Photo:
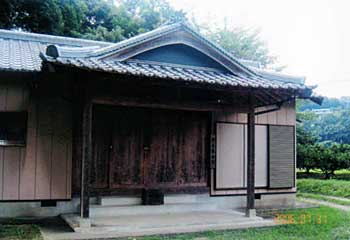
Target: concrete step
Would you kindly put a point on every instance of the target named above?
(110, 211)
(120, 201)
(180, 198)
(122, 226)
(135, 200)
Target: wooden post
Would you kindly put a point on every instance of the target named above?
(86, 159)
(250, 211)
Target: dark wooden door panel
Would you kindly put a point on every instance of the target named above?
(177, 156)
(160, 164)
(194, 144)
(101, 136)
(126, 162)
(147, 148)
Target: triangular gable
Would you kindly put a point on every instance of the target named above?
(178, 54)
(178, 42)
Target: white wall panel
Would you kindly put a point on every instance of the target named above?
(231, 160)
(230, 156)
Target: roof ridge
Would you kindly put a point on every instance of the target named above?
(137, 38)
(51, 39)
(160, 31)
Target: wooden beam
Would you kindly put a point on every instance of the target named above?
(251, 158)
(166, 104)
(86, 158)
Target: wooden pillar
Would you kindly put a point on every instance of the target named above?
(86, 158)
(250, 211)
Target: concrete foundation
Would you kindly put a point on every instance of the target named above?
(166, 223)
(34, 209)
(250, 213)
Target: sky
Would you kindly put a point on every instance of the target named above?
(310, 37)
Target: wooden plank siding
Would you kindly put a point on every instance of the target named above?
(149, 148)
(42, 169)
(285, 116)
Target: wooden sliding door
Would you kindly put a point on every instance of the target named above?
(137, 148)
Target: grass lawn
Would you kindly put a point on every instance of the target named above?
(317, 223)
(338, 188)
(20, 232)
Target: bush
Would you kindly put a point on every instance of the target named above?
(332, 187)
(327, 156)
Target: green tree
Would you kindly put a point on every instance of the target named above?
(306, 157)
(92, 19)
(306, 140)
(115, 20)
(242, 43)
(32, 15)
(332, 157)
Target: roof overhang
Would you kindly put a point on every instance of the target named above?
(117, 59)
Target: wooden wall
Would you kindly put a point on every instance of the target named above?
(285, 116)
(284, 119)
(42, 169)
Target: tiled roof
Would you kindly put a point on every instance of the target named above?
(26, 52)
(21, 51)
(175, 72)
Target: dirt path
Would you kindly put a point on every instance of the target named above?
(329, 204)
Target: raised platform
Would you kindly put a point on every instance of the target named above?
(123, 216)
(164, 223)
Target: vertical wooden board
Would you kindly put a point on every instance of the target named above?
(69, 122)
(195, 137)
(59, 168)
(15, 101)
(185, 133)
(262, 118)
(76, 147)
(27, 175)
(156, 162)
(220, 116)
(242, 118)
(127, 152)
(178, 149)
(281, 116)
(290, 113)
(101, 137)
(231, 117)
(44, 150)
(180, 153)
(26, 98)
(43, 167)
(60, 125)
(1, 171)
(3, 96)
(272, 117)
(69, 169)
(12, 159)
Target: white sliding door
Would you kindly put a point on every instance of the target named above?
(231, 160)
(229, 156)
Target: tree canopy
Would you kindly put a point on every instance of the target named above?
(242, 43)
(324, 138)
(115, 20)
(92, 19)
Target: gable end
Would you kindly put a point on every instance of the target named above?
(179, 54)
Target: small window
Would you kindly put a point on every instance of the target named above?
(13, 128)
